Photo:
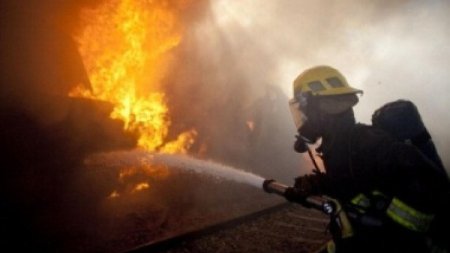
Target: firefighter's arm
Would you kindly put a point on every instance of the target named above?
(340, 225)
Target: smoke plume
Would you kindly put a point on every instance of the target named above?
(390, 49)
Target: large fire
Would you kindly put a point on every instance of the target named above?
(125, 46)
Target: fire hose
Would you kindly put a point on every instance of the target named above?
(340, 224)
(324, 204)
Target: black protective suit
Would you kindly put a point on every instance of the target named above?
(361, 159)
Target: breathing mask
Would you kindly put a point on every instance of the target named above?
(298, 107)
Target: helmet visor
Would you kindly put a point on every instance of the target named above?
(297, 115)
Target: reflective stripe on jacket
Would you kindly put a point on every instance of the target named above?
(398, 211)
(408, 217)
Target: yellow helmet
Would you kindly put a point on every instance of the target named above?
(326, 82)
(322, 81)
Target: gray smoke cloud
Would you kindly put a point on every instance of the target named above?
(223, 92)
(390, 49)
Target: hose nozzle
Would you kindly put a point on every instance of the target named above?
(272, 186)
(296, 195)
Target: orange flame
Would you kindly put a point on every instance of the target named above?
(126, 47)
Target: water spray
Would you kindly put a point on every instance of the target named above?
(140, 157)
(209, 167)
(325, 204)
(332, 207)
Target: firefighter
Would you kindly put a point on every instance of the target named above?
(365, 169)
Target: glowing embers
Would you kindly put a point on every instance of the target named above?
(137, 178)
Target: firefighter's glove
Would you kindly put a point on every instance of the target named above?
(313, 184)
(296, 195)
(305, 183)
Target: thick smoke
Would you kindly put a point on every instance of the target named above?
(222, 85)
(390, 49)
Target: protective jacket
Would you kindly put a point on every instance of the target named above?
(371, 173)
